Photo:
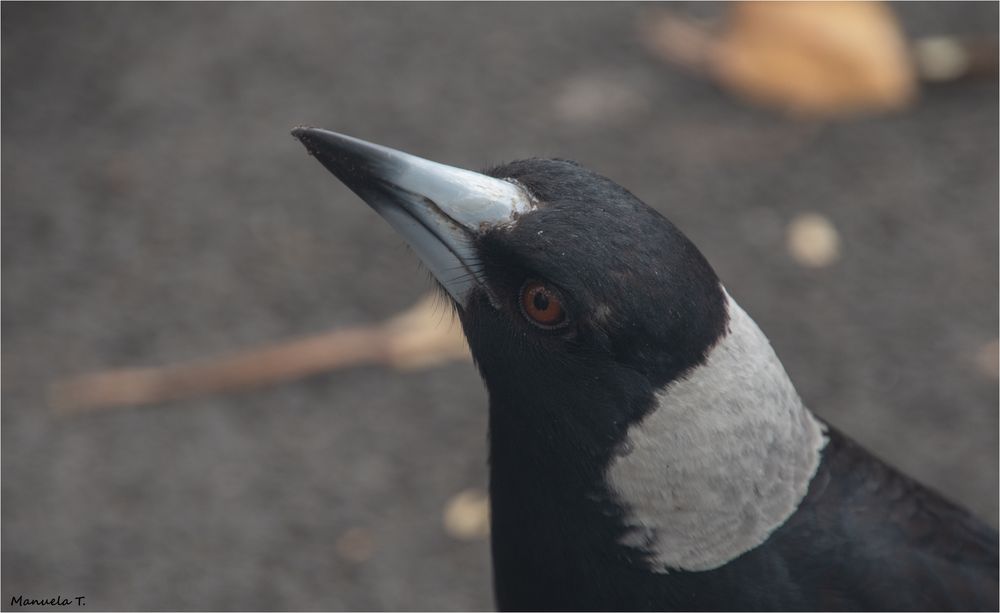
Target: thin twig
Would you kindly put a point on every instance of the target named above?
(416, 338)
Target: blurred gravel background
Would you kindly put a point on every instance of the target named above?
(155, 209)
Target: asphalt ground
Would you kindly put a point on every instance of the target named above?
(155, 209)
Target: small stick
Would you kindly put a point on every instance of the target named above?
(417, 338)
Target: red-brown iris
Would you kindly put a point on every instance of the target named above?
(541, 305)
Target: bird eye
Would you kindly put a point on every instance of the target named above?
(541, 306)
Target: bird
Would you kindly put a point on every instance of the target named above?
(647, 449)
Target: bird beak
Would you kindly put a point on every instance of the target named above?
(438, 209)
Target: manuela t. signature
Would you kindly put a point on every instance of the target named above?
(55, 601)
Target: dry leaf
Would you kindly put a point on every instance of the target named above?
(816, 59)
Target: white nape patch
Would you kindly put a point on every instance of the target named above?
(722, 461)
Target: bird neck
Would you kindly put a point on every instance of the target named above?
(718, 459)
(722, 460)
(551, 513)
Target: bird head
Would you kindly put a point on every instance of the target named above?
(568, 287)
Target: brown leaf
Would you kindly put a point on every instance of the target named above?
(815, 59)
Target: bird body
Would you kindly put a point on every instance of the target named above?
(647, 449)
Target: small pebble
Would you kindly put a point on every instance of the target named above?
(940, 58)
(813, 242)
(988, 359)
(467, 515)
(594, 99)
(355, 545)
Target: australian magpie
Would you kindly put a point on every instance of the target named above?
(647, 449)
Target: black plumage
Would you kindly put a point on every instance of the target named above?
(865, 538)
(643, 312)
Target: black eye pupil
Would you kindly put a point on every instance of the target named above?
(541, 301)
